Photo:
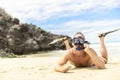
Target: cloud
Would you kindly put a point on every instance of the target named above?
(91, 29)
(44, 9)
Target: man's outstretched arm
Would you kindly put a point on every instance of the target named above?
(61, 65)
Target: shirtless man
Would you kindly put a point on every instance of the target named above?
(81, 55)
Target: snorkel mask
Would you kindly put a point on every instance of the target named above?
(79, 42)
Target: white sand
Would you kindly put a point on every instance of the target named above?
(41, 68)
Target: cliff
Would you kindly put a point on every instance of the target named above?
(23, 38)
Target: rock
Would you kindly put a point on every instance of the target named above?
(15, 21)
(23, 38)
(6, 53)
(31, 45)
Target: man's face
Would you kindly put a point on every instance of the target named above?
(78, 42)
(78, 39)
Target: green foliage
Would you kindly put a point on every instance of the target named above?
(4, 54)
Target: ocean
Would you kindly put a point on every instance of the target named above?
(113, 49)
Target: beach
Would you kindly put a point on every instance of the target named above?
(42, 68)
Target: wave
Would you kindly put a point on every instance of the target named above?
(112, 44)
(113, 48)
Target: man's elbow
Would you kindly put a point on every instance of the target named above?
(101, 66)
(58, 69)
(55, 69)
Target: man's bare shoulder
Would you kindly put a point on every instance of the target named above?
(68, 52)
(65, 57)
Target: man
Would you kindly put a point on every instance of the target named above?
(81, 55)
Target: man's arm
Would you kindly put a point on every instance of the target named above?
(66, 42)
(60, 66)
(94, 57)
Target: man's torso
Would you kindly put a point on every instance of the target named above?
(79, 60)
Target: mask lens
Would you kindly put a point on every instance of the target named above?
(78, 40)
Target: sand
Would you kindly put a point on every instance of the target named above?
(42, 68)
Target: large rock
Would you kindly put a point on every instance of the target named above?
(23, 38)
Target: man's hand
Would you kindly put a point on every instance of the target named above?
(66, 68)
(86, 47)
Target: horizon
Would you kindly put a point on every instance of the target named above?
(67, 17)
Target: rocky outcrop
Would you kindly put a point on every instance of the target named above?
(23, 38)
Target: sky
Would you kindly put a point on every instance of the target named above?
(67, 17)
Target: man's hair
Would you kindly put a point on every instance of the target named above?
(80, 34)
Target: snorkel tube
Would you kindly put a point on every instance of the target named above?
(78, 48)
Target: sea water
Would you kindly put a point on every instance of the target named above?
(113, 49)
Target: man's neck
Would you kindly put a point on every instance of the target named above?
(79, 53)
